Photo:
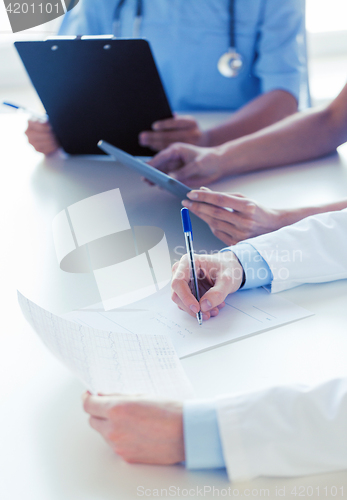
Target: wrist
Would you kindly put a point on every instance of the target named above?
(232, 159)
(204, 140)
(293, 215)
(234, 270)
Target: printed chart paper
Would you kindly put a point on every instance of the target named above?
(111, 361)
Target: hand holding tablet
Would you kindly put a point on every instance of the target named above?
(156, 176)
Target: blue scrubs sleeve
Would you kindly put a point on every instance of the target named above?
(281, 63)
(88, 18)
(201, 436)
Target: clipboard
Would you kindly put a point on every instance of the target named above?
(152, 174)
(96, 88)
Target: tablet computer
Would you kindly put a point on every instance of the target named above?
(152, 174)
(94, 87)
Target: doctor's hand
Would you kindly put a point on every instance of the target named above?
(218, 275)
(139, 429)
(190, 164)
(41, 136)
(233, 217)
(176, 129)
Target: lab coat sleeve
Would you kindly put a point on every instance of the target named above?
(281, 63)
(310, 251)
(257, 272)
(202, 443)
(285, 431)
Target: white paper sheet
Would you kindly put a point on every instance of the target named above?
(246, 313)
(117, 361)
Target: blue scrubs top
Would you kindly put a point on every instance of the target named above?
(188, 37)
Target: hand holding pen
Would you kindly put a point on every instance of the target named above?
(188, 235)
(39, 132)
(217, 276)
(39, 116)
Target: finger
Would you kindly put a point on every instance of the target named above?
(157, 144)
(176, 299)
(230, 231)
(167, 160)
(42, 142)
(100, 425)
(44, 147)
(96, 405)
(42, 138)
(180, 122)
(220, 199)
(228, 239)
(180, 287)
(168, 166)
(186, 173)
(214, 312)
(39, 126)
(162, 139)
(220, 228)
(174, 267)
(228, 281)
(214, 212)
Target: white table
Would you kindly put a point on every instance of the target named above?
(47, 450)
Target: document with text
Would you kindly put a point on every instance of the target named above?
(246, 313)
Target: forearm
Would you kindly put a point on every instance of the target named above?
(261, 112)
(290, 216)
(301, 137)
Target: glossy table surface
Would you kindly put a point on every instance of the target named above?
(47, 450)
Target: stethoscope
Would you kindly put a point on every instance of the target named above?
(229, 64)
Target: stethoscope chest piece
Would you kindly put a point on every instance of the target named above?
(230, 63)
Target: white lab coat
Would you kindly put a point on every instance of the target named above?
(313, 250)
(288, 431)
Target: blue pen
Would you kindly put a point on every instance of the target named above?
(188, 234)
(40, 116)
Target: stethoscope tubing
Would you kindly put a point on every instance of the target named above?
(226, 57)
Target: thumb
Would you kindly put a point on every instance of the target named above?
(186, 172)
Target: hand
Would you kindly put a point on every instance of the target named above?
(218, 275)
(139, 429)
(41, 136)
(176, 129)
(246, 220)
(189, 164)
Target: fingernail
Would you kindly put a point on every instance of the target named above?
(143, 140)
(206, 305)
(187, 204)
(203, 188)
(214, 312)
(193, 195)
(205, 317)
(155, 126)
(194, 309)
